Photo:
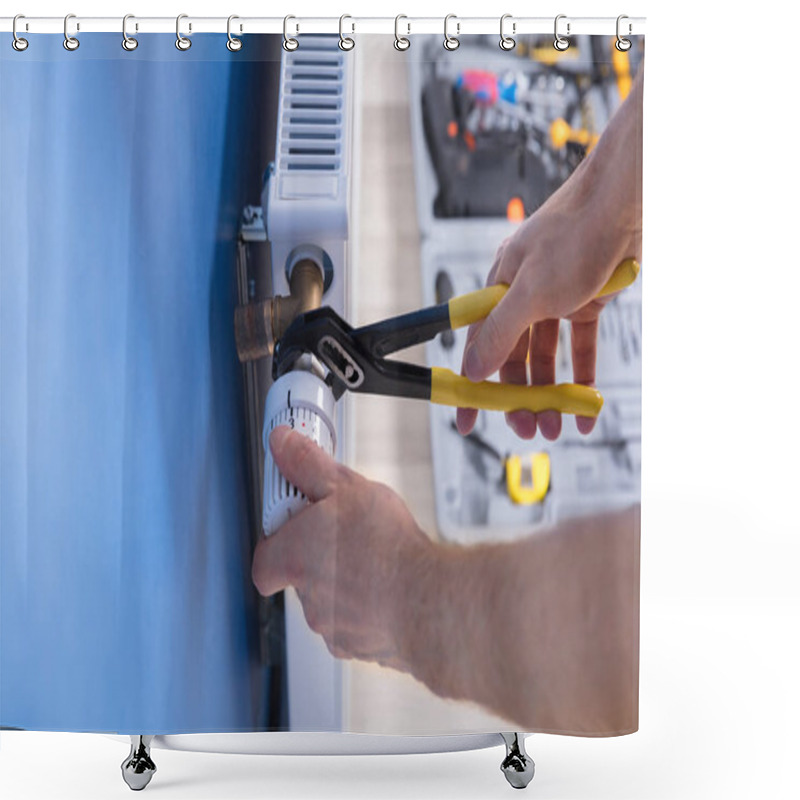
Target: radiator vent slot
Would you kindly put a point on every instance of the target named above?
(312, 113)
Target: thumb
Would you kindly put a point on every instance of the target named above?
(303, 463)
(498, 334)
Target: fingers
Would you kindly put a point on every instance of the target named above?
(279, 559)
(515, 370)
(466, 417)
(544, 343)
(584, 362)
(273, 567)
(501, 329)
(303, 463)
(498, 259)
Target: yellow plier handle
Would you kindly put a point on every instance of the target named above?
(450, 389)
(475, 306)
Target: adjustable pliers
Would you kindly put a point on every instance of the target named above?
(356, 357)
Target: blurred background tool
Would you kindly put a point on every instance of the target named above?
(526, 478)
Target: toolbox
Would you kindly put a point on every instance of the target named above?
(531, 99)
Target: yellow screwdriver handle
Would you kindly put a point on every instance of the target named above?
(449, 389)
(468, 308)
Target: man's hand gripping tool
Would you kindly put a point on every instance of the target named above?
(356, 357)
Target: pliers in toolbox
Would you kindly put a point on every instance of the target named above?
(356, 357)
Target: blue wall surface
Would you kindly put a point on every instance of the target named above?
(125, 595)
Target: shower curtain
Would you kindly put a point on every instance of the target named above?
(453, 571)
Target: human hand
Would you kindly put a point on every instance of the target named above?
(349, 554)
(555, 263)
(549, 279)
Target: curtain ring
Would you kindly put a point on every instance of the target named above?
(18, 43)
(507, 42)
(233, 44)
(70, 42)
(401, 43)
(289, 44)
(451, 42)
(560, 43)
(129, 43)
(181, 42)
(345, 42)
(623, 45)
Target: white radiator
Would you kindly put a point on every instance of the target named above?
(307, 197)
(307, 208)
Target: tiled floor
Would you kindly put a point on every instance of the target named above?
(392, 436)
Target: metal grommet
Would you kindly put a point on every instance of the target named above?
(622, 44)
(289, 44)
(345, 42)
(560, 43)
(451, 42)
(401, 43)
(70, 42)
(506, 42)
(129, 43)
(233, 44)
(18, 43)
(181, 42)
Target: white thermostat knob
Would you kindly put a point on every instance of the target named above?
(305, 403)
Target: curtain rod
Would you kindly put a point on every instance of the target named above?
(407, 26)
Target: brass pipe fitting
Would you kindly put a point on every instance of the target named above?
(259, 325)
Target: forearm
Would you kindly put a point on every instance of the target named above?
(563, 254)
(543, 632)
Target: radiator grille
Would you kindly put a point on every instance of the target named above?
(312, 112)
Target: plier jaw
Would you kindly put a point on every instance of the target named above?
(350, 355)
(304, 336)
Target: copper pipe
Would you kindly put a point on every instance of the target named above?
(253, 330)
(259, 325)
